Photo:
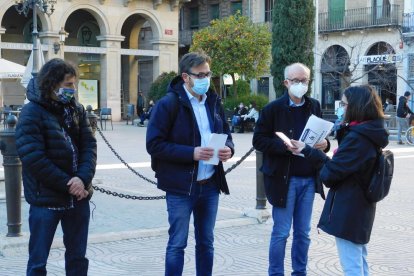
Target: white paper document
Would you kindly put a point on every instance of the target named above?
(284, 138)
(217, 141)
(316, 130)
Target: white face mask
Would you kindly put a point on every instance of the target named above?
(298, 90)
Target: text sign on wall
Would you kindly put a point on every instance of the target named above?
(88, 93)
(380, 59)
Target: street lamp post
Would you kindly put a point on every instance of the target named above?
(44, 6)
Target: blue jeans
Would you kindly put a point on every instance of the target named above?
(43, 223)
(203, 203)
(402, 126)
(353, 257)
(299, 209)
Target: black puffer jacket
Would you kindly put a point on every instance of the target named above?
(45, 153)
(347, 214)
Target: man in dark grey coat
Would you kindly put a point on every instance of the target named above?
(290, 181)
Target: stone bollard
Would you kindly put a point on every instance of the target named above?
(12, 177)
(260, 190)
(93, 119)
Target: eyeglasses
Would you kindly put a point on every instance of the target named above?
(201, 75)
(297, 81)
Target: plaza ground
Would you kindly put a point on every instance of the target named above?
(128, 237)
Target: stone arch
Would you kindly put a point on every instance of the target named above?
(381, 47)
(94, 11)
(45, 20)
(334, 58)
(382, 75)
(335, 73)
(152, 20)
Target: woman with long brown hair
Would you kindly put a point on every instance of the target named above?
(347, 214)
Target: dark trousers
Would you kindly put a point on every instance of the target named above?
(75, 224)
(140, 110)
(244, 122)
(144, 116)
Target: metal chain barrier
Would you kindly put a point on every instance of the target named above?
(108, 192)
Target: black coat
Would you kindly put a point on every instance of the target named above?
(347, 214)
(403, 110)
(172, 135)
(276, 116)
(47, 156)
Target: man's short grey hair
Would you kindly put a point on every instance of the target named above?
(191, 60)
(287, 68)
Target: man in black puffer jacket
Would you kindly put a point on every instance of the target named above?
(58, 153)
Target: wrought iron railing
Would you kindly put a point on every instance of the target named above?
(408, 22)
(370, 17)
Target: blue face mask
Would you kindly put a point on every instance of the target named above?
(65, 95)
(201, 86)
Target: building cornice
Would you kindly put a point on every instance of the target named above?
(110, 38)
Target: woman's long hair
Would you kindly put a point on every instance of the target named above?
(364, 104)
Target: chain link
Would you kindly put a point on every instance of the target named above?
(108, 192)
(123, 161)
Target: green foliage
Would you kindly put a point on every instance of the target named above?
(293, 37)
(159, 87)
(235, 45)
(243, 88)
(231, 102)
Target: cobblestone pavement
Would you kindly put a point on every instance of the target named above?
(129, 237)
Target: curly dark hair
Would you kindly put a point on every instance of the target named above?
(52, 74)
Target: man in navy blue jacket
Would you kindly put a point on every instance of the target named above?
(290, 181)
(177, 137)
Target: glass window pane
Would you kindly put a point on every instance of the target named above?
(236, 6)
(411, 66)
(268, 10)
(194, 17)
(214, 11)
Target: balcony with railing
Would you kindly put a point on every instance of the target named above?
(408, 23)
(362, 18)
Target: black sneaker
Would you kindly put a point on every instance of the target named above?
(141, 124)
(401, 143)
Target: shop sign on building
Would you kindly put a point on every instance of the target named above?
(379, 59)
(88, 92)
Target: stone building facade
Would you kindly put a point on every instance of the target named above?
(359, 43)
(355, 43)
(119, 46)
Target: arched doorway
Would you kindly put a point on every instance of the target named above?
(335, 75)
(382, 74)
(16, 47)
(83, 30)
(136, 69)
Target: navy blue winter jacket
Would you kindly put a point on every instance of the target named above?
(276, 167)
(47, 156)
(173, 134)
(347, 214)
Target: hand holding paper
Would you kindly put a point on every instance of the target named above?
(315, 131)
(284, 138)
